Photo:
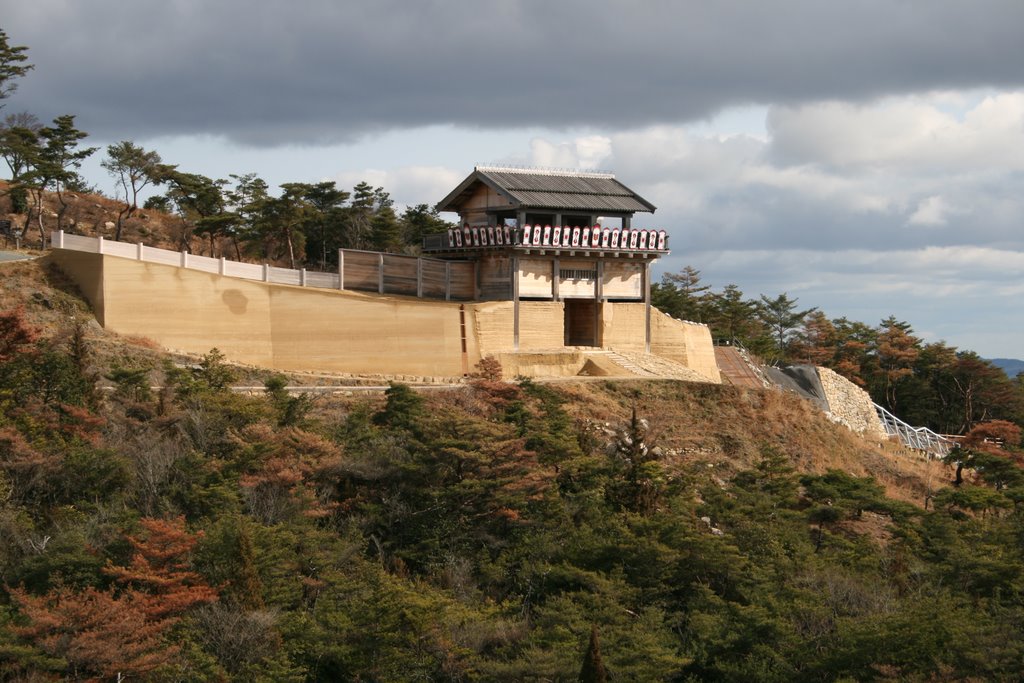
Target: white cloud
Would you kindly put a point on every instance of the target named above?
(918, 132)
(582, 152)
(930, 211)
(408, 185)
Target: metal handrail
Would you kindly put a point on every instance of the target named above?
(918, 438)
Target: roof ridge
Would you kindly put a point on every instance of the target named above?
(573, 172)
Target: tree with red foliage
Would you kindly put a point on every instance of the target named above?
(159, 570)
(897, 350)
(984, 449)
(94, 634)
(15, 333)
(119, 632)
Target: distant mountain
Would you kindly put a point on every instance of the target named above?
(1011, 366)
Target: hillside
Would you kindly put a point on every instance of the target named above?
(731, 433)
(94, 215)
(484, 532)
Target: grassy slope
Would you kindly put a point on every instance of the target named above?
(721, 427)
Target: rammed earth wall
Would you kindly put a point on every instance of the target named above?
(287, 327)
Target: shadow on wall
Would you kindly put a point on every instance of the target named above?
(236, 302)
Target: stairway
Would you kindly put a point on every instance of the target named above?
(737, 369)
(628, 365)
(919, 439)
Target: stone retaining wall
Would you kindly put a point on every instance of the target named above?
(850, 405)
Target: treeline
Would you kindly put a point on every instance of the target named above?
(476, 534)
(928, 384)
(303, 223)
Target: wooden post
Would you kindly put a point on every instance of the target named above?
(341, 269)
(99, 243)
(515, 303)
(555, 277)
(60, 239)
(419, 278)
(184, 258)
(221, 267)
(598, 301)
(380, 273)
(266, 272)
(647, 306)
(138, 252)
(302, 277)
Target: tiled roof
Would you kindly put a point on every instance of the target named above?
(538, 189)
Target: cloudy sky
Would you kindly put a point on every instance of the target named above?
(866, 157)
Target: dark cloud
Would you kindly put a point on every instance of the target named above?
(309, 72)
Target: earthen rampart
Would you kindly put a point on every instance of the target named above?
(288, 327)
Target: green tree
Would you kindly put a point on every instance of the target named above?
(782, 318)
(280, 221)
(133, 168)
(199, 201)
(245, 200)
(19, 146)
(386, 231)
(734, 318)
(325, 220)
(12, 66)
(682, 295)
(419, 221)
(366, 200)
(61, 157)
(402, 409)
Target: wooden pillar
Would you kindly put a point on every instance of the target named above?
(598, 302)
(554, 279)
(515, 303)
(419, 277)
(341, 269)
(647, 306)
(380, 273)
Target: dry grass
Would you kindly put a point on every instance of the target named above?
(729, 428)
(94, 215)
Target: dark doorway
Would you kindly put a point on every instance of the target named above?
(580, 322)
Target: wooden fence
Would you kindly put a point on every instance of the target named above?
(367, 271)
